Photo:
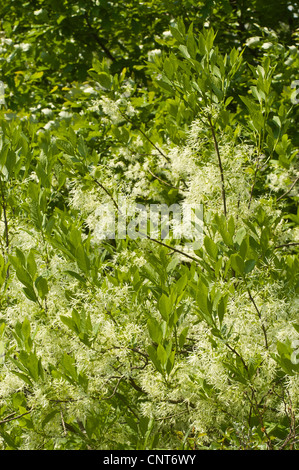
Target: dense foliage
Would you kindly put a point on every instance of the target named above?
(138, 342)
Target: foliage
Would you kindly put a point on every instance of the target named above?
(136, 343)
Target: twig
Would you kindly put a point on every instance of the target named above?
(63, 423)
(106, 190)
(98, 40)
(115, 388)
(8, 418)
(5, 224)
(237, 354)
(162, 181)
(172, 248)
(253, 185)
(144, 135)
(289, 190)
(219, 163)
(292, 420)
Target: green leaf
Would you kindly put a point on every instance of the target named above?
(183, 336)
(68, 363)
(76, 276)
(30, 294)
(222, 308)
(180, 286)
(168, 68)
(191, 44)
(82, 259)
(49, 417)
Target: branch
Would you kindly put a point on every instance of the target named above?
(162, 181)
(5, 223)
(115, 388)
(219, 163)
(285, 245)
(106, 190)
(144, 135)
(172, 248)
(260, 317)
(289, 190)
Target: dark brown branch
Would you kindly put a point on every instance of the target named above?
(8, 418)
(144, 135)
(115, 388)
(259, 315)
(219, 163)
(162, 181)
(106, 191)
(237, 354)
(172, 248)
(286, 245)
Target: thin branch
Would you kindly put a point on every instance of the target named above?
(285, 245)
(253, 184)
(136, 350)
(63, 423)
(289, 190)
(144, 135)
(237, 354)
(219, 163)
(135, 386)
(106, 190)
(259, 315)
(162, 181)
(172, 248)
(8, 418)
(115, 388)
(5, 223)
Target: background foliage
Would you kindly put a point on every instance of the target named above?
(134, 344)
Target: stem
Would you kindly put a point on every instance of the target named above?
(8, 418)
(172, 248)
(98, 40)
(162, 181)
(289, 190)
(5, 224)
(106, 191)
(253, 184)
(115, 388)
(144, 135)
(237, 354)
(286, 245)
(219, 164)
(4, 215)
